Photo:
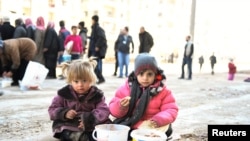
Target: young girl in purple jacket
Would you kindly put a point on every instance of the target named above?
(144, 97)
(78, 106)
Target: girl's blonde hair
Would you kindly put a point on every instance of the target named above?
(79, 70)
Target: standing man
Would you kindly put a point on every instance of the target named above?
(20, 31)
(97, 47)
(213, 62)
(116, 55)
(15, 55)
(146, 41)
(201, 61)
(83, 33)
(63, 33)
(123, 47)
(187, 58)
(6, 31)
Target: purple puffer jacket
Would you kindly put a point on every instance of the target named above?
(91, 108)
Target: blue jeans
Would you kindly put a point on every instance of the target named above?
(75, 56)
(187, 61)
(60, 59)
(99, 65)
(123, 59)
(98, 70)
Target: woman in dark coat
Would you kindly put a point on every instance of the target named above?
(30, 28)
(51, 49)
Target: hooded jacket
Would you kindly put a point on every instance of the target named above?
(91, 108)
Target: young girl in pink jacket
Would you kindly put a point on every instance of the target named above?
(144, 97)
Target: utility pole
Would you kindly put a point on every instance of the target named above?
(192, 19)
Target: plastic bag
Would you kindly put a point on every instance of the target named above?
(34, 76)
(68, 47)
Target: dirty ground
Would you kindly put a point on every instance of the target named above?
(206, 99)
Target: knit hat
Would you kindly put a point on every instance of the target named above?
(145, 61)
(1, 43)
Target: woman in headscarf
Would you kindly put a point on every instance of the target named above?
(39, 39)
(30, 28)
(51, 49)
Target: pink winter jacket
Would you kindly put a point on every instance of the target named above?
(77, 44)
(162, 108)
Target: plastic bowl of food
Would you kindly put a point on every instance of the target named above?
(148, 135)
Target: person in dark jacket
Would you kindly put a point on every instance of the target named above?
(201, 61)
(20, 31)
(6, 32)
(213, 61)
(146, 41)
(51, 49)
(15, 55)
(63, 34)
(83, 33)
(123, 46)
(97, 47)
(79, 106)
(30, 28)
(116, 55)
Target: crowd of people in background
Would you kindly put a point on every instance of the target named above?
(40, 42)
(50, 44)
